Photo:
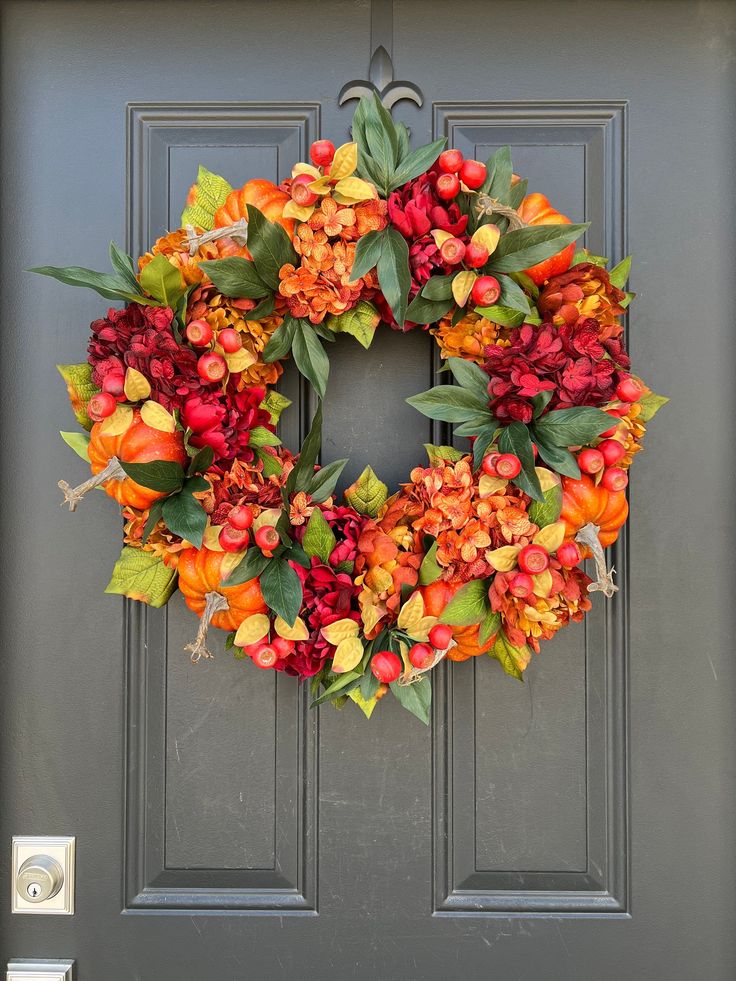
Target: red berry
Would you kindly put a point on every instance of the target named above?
(440, 636)
(300, 192)
(212, 367)
(591, 461)
(450, 161)
(521, 585)
(101, 405)
(267, 538)
(114, 384)
(568, 555)
(199, 333)
(452, 251)
(240, 517)
(421, 656)
(612, 451)
(533, 559)
(233, 539)
(321, 152)
(620, 410)
(476, 255)
(508, 466)
(614, 479)
(486, 290)
(266, 656)
(489, 464)
(473, 173)
(386, 666)
(230, 340)
(447, 186)
(282, 646)
(629, 390)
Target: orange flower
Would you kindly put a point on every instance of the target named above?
(300, 508)
(331, 217)
(583, 291)
(370, 216)
(161, 542)
(175, 246)
(469, 337)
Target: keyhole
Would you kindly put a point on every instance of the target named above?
(34, 890)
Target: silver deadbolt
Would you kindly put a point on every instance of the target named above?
(39, 878)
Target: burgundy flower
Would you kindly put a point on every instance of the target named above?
(224, 420)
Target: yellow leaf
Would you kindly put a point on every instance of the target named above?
(366, 707)
(411, 612)
(299, 211)
(462, 284)
(240, 360)
(404, 652)
(321, 186)
(439, 236)
(268, 517)
(156, 416)
(136, 386)
(345, 161)
(305, 168)
(348, 654)
(370, 617)
(229, 561)
(379, 580)
(252, 629)
(355, 189)
(543, 583)
(298, 632)
(420, 630)
(551, 537)
(211, 538)
(490, 485)
(340, 630)
(547, 479)
(488, 236)
(503, 559)
(118, 423)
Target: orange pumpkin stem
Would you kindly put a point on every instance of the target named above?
(237, 231)
(588, 535)
(73, 495)
(490, 206)
(214, 603)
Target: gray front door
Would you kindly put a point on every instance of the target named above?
(579, 825)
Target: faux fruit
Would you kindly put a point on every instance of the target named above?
(233, 539)
(321, 153)
(591, 461)
(267, 538)
(473, 174)
(615, 479)
(629, 390)
(452, 251)
(386, 666)
(476, 255)
(230, 340)
(240, 517)
(584, 502)
(521, 585)
(199, 333)
(612, 451)
(533, 559)
(447, 186)
(211, 367)
(486, 291)
(261, 194)
(300, 192)
(101, 405)
(507, 466)
(421, 656)
(535, 209)
(450, 161)
(440, 636)
(569, 555)
(436, 597)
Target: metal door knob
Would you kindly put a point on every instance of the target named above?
(40, 878)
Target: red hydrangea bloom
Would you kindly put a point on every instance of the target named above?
(224, 420)
(142, 337)
(348, 526)
(328, 596)
(571, 361)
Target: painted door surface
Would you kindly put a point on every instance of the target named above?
(579, 825)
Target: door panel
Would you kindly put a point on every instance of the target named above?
(574, 825)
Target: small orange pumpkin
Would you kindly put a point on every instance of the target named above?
(585, 503)
(436, 597)
(138, 444)
(262, 194)
(535, 209)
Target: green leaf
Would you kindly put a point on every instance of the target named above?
(438, 454)
(250, 567)
(518, 193)
(122, 264)
(79, 442)
(201, 461)
(80, 388)
(369, 685)
(271, 463)
(483, 440)
(263, 309)
(280, 342)
(471, 376)
(275, 403)
(235, 277)
(512, 659)
(154, 516)
(489, 627)
(430, 570)
(282, 590)
(620, 273)
(260, 436)
(515, 439)
(394, 277)
(583, 255)
(302, 473)
(545, 512)
(368, 494)
(319, 539)
(269, 245)
(208, 194)
(324, 481)
(512, 295)
(540, 401)
(498, 181)
(360, 322)
(416, 163)
(526, 247)
(422, 311)
(350, 678)
(367, 253)
(166, 476)
(142, 576)
(506, 316)
(476, 424)
(557, 457)
(438, 288)
(111, 287)
(184, 515)
(298, 555)
(163, 281)
(650, 406)
(448, 403)
(469, 605)
(416, 698)
(572, 427)
(310, 357)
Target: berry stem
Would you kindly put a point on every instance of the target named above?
(73, 495)
(237, 231)
(415, 674)
(588, 535)
(487, 205)
(214, 603)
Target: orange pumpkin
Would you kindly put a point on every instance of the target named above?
(535, 209)
(585, 503)
(200, 573)
(436, 597)
(262, 194)
(138, 444)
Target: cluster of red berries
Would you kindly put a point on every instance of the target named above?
(455, 169)
(235, 533)
(212, 366)
(266, 653)
(504, 465)
(321, 154)
(610, 450)
(387, 666)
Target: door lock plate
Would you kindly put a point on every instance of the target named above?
(42, 879)
(26, 970)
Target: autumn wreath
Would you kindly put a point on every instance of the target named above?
(481, 551)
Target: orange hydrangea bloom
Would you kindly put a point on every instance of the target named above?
(469, 337)
(175, 246)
